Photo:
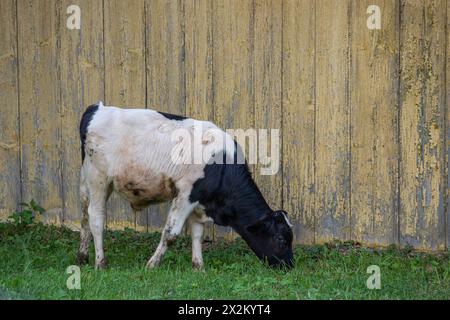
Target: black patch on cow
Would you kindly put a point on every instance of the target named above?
(231, 198)
(172, 116)
(229, 193)
(84, 124)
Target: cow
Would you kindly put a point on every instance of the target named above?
(134, 153)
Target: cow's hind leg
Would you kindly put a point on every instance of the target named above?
(85, 233)
(99, 190)
(197, 228)
(180, 209)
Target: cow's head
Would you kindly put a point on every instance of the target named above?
(271, 239)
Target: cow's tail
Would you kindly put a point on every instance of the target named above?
(84, 124)
(85, 232)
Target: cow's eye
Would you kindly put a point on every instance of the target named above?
(281, 240)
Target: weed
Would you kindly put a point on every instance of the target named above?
(28, 213)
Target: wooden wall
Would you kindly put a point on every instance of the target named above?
(363, 114)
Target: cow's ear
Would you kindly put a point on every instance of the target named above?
(258, 227)
(278, 213)
(280, 216)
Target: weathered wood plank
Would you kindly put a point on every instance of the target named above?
(40, 121)
(374, 124)
(298, 115)
(199, 68)
(267, 95)
(82, 84)
(125, 83)
(422, 133)
(447, 124)
(233, 27)
(332, 174)
(9, 106)
(165, 68)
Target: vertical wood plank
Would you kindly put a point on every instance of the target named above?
(9, 106)
(298, 115)
(40, 121)
(267, 32)
(165, 68)
(233, 67)
(332, 174)
(82, 70)
(165, 56)
(374, 124)
(447, 123)
(124, 77)
(199, 68)
(422, 133)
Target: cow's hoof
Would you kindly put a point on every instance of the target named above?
(82, 258)
(100, 265)
(152, 263)
(198, 267)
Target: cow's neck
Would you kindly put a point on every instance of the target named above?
(230, 196)
(249, 206)
(244, 204)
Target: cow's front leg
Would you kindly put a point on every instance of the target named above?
(179, 211)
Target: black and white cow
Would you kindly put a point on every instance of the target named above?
(133, 152)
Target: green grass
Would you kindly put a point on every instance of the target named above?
(33, 262)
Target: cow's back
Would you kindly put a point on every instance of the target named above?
(134, 148)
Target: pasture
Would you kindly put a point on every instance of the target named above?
(35, 258)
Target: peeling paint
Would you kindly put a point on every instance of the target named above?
(329, 83)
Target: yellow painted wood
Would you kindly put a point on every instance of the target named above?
(298, 115)
(267, 90)
(165, 56)
(233, 66)
(352, 138)
(447, 126)
(9, 108)
(165, 69)
(332, 170)
(422, 189)
(125, 86)
(374, 123)
(199, 67)
(232, 58)
(40, 121)
(82, 84)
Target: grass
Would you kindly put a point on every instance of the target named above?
(34, 260)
